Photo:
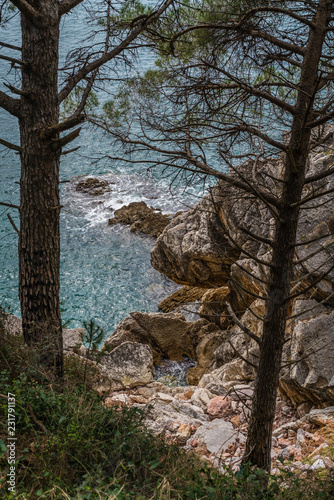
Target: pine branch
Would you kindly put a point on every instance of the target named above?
(27, 10)
(66, 6)
(9, 205)
(9, 104)
(244, 328)
(14, 47)
(9, 145)
(108, 56)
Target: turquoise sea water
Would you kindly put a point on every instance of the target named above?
(105, 270)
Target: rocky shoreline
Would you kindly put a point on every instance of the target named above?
(227, 288)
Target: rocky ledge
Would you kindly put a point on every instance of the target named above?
(141, 218)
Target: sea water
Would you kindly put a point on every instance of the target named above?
(105, 270)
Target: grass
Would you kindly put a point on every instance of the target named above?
(70, 446)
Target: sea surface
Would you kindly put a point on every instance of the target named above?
(105, 270)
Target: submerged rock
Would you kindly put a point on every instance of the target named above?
(141, 218)
(94, 187)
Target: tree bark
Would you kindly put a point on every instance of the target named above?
(258, 446)
(39, 243)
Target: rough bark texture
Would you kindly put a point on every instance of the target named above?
(39, 246)
(258, 447)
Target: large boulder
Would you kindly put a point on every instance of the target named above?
(212, 244)
(128, 365)
(193, 250)
(217, 436)
(168, 335)
(310, 373)
(182, 296)
(213, 306)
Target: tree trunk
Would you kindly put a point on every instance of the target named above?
(39, 244)
(258, 446)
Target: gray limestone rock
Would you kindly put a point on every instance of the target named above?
(217, 435)
(128, 365)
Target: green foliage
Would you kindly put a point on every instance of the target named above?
(71, 103)
(71, 446)
(92, 337)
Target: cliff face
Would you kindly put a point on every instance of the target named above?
(211, 246)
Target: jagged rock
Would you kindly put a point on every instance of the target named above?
(321, 417)
(213, 306)
(201, 397)
(204, 356)
(206, 337)
(318, 221)
(245, 283)
(219, 407)
(12, 324)
(193, 250)
(94, 187)
(312, 378)
(220, 380)
(72, 339)
(236, 343)
(128, 365)
(141, 218)
(217, 435)
(168, 335)
(161, 416)
(199, 246)
(183, 296)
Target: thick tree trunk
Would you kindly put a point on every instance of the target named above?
(39, 246)
(258, 446)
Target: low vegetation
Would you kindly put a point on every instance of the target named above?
(70, 446)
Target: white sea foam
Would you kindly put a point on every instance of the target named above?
(122, 190)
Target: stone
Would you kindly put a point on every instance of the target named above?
(304, 408)
(321, 417)
(141, 218)
(166, 398)
(93, 187)
(184, 432)
(241, 393)
(318, 464)
(204, 355)
(290, 453)
(168, 334)
(213, 306)
(184, 295)
(201, 397)
(128, 365)
(313, 344)
(245, 283)
(12, 324)
(72, 339)
(236, 343)
(192, 250)
(217, 435)
(220, 407)
(161, 417)
(188, 409)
